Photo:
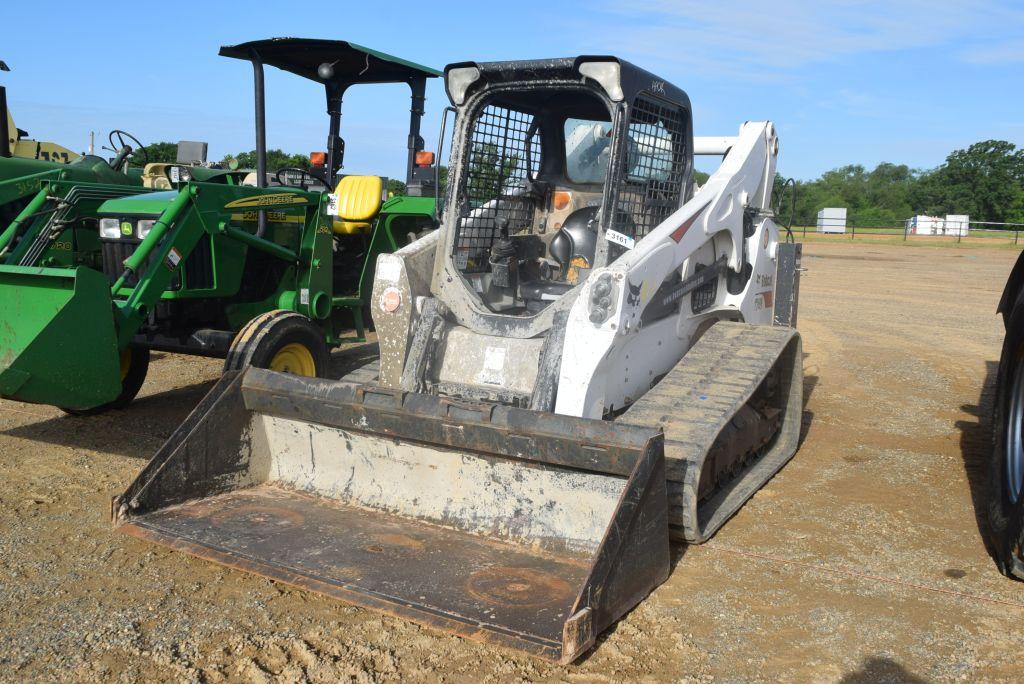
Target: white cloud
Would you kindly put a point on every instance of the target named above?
(731, 38)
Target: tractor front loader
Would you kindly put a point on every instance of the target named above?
(590, 357)
(93, 276)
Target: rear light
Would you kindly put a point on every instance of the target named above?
(318, 158)
(424, 158)
(561, 200)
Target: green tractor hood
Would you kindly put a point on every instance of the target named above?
(143, 204)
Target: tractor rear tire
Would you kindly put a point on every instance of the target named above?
(1006, 466)
(134, 367)
(280, 340)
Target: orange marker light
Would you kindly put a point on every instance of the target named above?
(318, 158)
(561, 200)
(424, 158)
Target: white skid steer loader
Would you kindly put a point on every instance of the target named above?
(592, 355)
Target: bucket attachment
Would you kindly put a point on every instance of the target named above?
(526, 529)
(57, 339)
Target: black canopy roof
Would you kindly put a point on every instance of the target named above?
(632, 79)
(352, 63)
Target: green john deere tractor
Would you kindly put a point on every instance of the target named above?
(259, 271)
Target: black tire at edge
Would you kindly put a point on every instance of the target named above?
(1005, 518)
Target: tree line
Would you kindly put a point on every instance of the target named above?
(985, 181)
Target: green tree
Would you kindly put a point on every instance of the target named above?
(159, 152)
(276, 159)
(490, 174)
(986, 181)
(396, 187)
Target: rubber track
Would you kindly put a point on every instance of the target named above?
(698, 398)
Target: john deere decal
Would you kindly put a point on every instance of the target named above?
(278, 199)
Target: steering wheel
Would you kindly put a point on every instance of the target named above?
(119, 143)
(303, 173)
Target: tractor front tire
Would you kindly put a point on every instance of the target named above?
(134, 367)
(1006, 467)
(283, 341)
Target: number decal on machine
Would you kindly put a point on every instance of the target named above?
(620, 239)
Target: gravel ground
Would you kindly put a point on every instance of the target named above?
(861, 561)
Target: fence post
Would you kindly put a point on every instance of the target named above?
(853, 230)
(805, 228)
(905, 229)
(1016, 235)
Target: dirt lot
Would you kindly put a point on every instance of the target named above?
(861, 561)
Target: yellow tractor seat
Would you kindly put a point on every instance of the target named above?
(359, 200)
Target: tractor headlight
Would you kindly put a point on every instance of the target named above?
(143, 227)
(180, 174)
(110, 228)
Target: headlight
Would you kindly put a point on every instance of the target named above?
(180, 174)
(143, 228)
(110, 228)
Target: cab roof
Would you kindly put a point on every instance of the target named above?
(352, 63)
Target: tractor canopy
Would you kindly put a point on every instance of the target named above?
(351, 63)
(337, 64)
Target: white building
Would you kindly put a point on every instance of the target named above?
(953, 224)
(957, 224)
(925, 225)
(832, 220)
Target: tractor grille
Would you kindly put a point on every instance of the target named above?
(198, 268)
(652, 183)
(504, 153)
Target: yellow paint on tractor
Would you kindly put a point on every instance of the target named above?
(34, 149)
(294, 358)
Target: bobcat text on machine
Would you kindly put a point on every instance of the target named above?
(204, 261)
(590, 356)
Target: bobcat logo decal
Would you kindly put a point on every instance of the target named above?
(633, 296)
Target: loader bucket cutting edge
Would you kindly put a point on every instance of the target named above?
(57, 340)
(526, 529)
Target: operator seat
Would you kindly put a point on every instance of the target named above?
(359, 200)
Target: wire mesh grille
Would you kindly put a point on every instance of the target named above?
(504, 151)
(656, 166)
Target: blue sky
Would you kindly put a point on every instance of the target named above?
(845, 82)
